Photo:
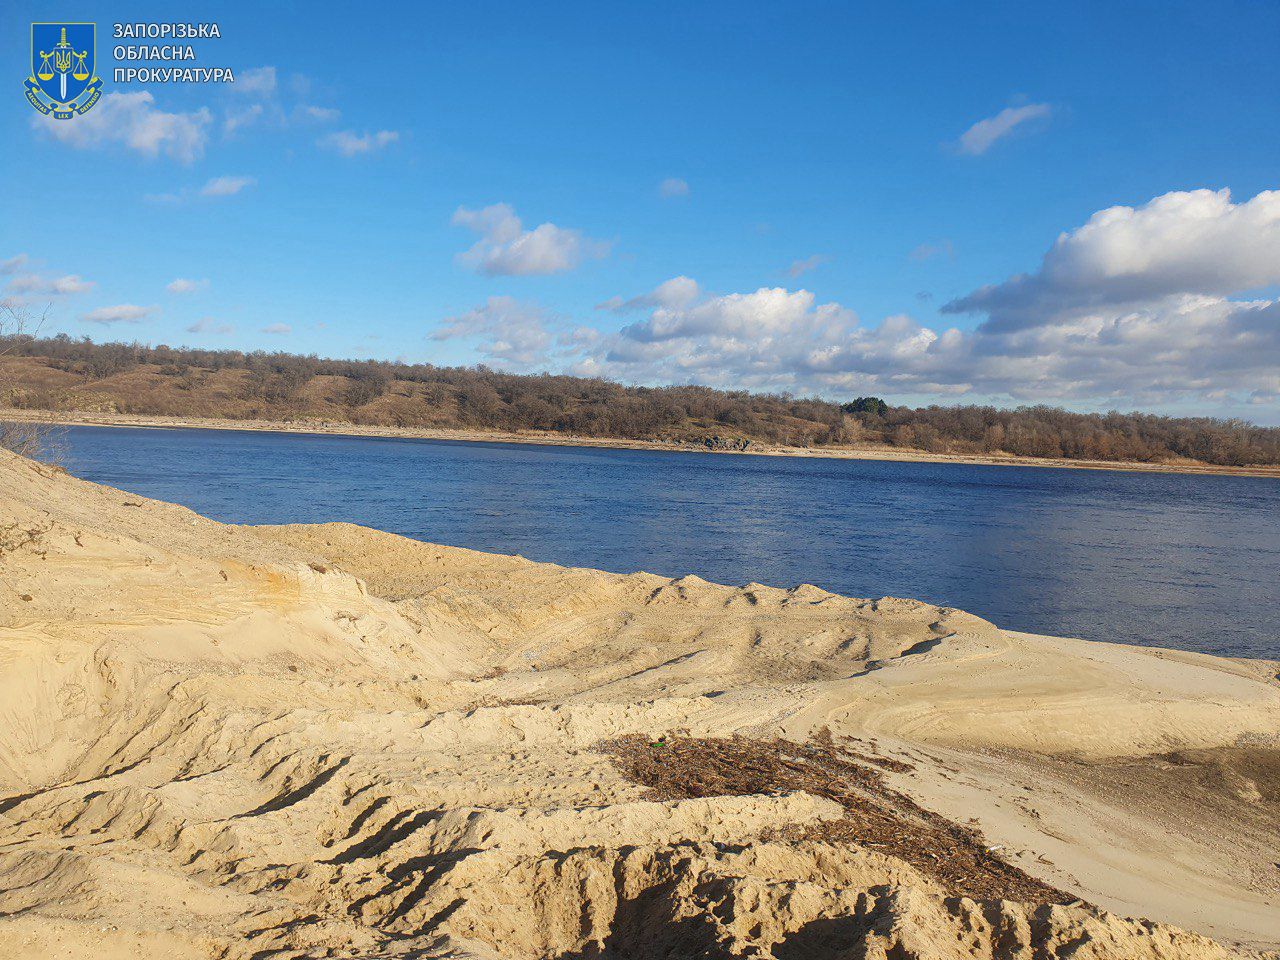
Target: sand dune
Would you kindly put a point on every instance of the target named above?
(326, 741)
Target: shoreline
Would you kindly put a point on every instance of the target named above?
(880, 453)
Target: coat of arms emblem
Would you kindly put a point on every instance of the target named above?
(63, 81)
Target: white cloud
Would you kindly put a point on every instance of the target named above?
(1135, 308)
(226, 186)
(515, 334)
(133, 120)
(980, 137)
(121, 313)
(213, 188)
(1204, 349)
(277, 328)
(39, 285)
(1188, 346)
(800, 267)
(674, 293)
(256, 82)
(673, 187)
(263, 99)
(1193, 242)
(505, 248)
(670, 294)
(25, 285)
(209, 325)
(768, 322)
(760, 340)
(350, 144)
(182, 285)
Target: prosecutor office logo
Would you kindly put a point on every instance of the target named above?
(63, 81)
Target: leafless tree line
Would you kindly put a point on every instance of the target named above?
(285, 386)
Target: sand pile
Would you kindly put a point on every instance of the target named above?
(326, 741)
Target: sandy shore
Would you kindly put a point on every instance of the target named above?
(868, 452)
(326, 741)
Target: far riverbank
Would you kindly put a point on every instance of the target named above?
(867, 452)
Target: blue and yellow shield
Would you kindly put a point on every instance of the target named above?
(63, 81)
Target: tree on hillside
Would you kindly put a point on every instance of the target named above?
(873, 406)
(16, 328)
(168, 381)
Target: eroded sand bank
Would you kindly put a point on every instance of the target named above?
(326, 741)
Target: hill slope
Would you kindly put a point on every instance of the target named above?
(60, 374)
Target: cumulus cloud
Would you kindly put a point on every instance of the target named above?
(277, 328)
(209, 325)
(1199, 348)
(351, 144)
(1146, 304)
(801, 267)
(505, 248)
(226, 186)
(1192, 242)
(984, 134)
(673, 187)
(132, 119)
(183, 285)
(761, 339)
(1148, 307)
(772, 338)
(674, 293)
(121, 313)
(752, 318)
(1208, 349)
(516, 334)
(13, 264)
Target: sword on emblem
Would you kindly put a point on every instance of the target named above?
(63, 58)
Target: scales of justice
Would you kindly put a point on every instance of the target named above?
(63, 57)
(69, 62)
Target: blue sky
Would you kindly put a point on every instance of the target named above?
(333, 195)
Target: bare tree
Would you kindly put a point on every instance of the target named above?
(160, 380)
(26, 437)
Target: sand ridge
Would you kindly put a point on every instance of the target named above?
(326, 741)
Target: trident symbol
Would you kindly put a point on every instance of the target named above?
(63, 57)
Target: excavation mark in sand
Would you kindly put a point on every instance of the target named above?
(877, 817)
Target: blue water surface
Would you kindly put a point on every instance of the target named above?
(1162, 559)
